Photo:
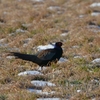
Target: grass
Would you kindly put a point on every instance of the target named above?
(45, 26)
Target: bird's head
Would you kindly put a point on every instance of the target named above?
(58, 44)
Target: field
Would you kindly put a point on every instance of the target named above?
(27, 24)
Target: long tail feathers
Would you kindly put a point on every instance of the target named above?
(27, 57)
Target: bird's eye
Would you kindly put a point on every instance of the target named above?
(60, 44)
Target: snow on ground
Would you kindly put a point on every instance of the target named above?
(78, 91)
(61, 60)
(3, 45)
(96, 61)
(95, 4)
(38, 1)
(42, 83)
(27, 41)
(14, 49)
(95, 13)
(26, 25)
(38, 83)
(20, 30)
(40, 91)
(54, 8)
(2, 40)
(64, 34)
(78, 56)
(81, 16)
(76, 46)
(10, 57)
(50, 99)
(29, 73)
(94, 28)
(41, 47)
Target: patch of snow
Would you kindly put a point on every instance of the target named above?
(29, 73)
(93, 99)
(78, 91)
(17, 31)
(81, 16)
(26, 25)
(95, 5)
(62, 60)
(64, 34)
(2, 40)
(96, 61)
(5, 13)
(78, 57)
(42, 83)
(94, 26)
(11, 34)
(25, 45)
(41, 47)
(20, 30)
(96, 31)
(53, 8)
(26, 41)
(40, 91)
(37, 0)
(95, 80)
(10, 57)
(75, 46)
(95, 13)
(50, 99)
(14, 49)
(3, 45)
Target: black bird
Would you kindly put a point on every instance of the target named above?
(44, 57)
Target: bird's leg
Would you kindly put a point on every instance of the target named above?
(40, 68)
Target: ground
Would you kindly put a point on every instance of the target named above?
(27, 24)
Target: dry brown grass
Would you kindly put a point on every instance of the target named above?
(43, 26)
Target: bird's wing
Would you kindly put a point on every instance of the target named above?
(46, 54)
